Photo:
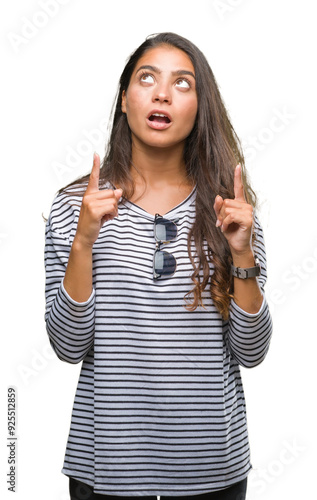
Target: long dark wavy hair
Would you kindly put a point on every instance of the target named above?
(211, 153)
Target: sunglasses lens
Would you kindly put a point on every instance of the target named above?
(164, 263)
(165, 230)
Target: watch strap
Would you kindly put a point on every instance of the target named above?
(245, 273)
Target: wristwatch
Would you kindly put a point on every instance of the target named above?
(245, 273)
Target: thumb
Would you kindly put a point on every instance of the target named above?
(118, 193)
(217, 208)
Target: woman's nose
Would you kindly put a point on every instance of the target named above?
(162, 94)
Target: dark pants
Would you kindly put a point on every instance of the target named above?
(81, 491)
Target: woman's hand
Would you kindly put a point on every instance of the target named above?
(235, 218)
(98, 206)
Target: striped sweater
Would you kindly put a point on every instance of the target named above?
(159, 408)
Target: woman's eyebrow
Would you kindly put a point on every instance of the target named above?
(150, 68)
(155, 69)
(183, 72)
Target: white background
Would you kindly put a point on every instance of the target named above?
(60, 65)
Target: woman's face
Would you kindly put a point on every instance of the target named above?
(161, 100)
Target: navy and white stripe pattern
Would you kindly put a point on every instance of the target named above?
(159, 408)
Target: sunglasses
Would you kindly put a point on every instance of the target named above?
(164, 263)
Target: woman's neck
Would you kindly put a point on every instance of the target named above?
(157, 167)
(160, 179)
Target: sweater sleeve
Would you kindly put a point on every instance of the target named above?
(69, 324)
(249, 334)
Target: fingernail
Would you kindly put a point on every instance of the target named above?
(218, 223)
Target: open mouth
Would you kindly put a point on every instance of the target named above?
(159, 118)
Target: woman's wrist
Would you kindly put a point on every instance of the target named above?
(243, 259)
(80, 245)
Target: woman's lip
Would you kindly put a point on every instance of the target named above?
(158, 125)
(160, 112)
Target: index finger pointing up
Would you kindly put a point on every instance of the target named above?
(93, 183)
(238, 184)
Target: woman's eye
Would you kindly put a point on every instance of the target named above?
(147, 78)
(183, 84)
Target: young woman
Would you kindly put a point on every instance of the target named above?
(155, 269)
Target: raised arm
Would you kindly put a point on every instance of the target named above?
(71, 231)
(249, 328)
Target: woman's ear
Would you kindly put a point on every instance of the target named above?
(123, 102)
